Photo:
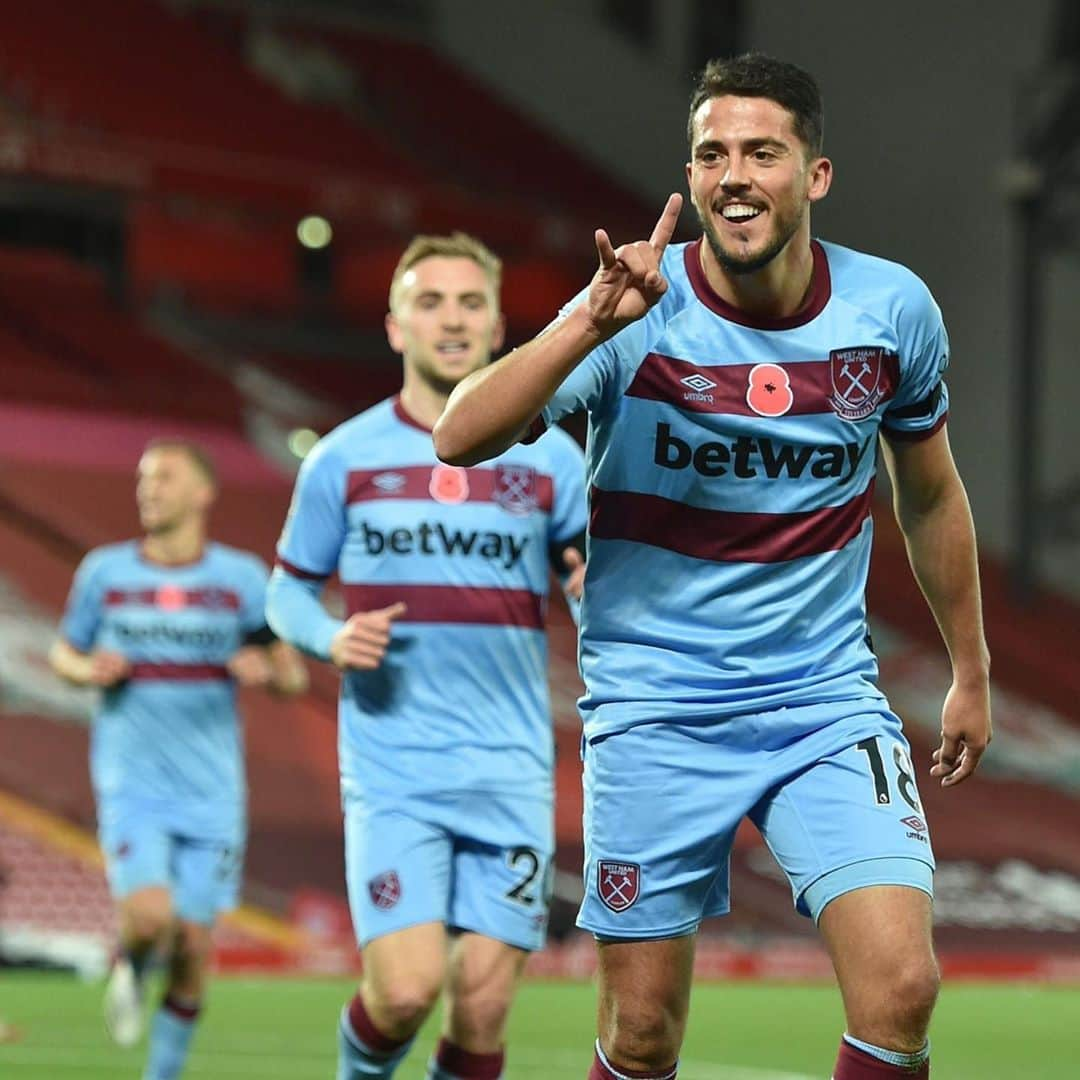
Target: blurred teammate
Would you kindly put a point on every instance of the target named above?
(737, 387)
(168, 626)
(445, 730)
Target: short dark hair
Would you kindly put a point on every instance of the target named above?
(754, 74)
(196, 454)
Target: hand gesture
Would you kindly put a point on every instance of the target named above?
(965, 732)
(574, 562)
(361, 643)
(629, 281)
(108, 669)
(250, 666)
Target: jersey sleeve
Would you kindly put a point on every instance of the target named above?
(82, 615)
(606, 372)
(569, 513)
(314, 529)
(921, 403)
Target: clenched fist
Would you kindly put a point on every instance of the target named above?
(361, 643)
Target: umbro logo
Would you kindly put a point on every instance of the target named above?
(389, 481)
(699, 386)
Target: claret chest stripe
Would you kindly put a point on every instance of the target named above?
(515, 486)
(723, 388)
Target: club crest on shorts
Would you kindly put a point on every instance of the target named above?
(385, 890)
(618, 884)
(449, 484)
(856, 381)
(515, 488)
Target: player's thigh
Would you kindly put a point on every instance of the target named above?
(850, 820)
(406, 968)
(644, 991)
(880, 939)
(657, 835)
(397, 867)
(504, 892)
(207, 877)
(138, 859)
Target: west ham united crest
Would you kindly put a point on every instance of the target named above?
(856, 381)
(385, 890)
(618, 884)
(449, 484)
(515, 488)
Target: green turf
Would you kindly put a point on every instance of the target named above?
(278, 1028)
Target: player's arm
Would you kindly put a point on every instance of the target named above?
(97, 668)
(493, 408)
(932, 510)
(265, 661)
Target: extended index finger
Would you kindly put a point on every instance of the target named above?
(665, 226)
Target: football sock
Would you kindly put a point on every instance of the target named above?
(864, 1061)
(170, 1037)
(451, 1062)
(602, 1069)
(363, 1050)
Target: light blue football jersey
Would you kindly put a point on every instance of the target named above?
(169, 739)
(460, 702)
(731, 464)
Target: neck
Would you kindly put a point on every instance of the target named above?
(776, 291)
(182, 544)
(423, 402)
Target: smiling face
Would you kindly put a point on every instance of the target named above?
(751, 180)
(445, 320)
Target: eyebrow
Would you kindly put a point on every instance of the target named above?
(438, 294)
(750, 144)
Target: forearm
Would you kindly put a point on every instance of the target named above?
(295, 613)
(70, 664)
(491, 409)
(940, 538)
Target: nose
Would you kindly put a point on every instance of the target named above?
(735, 179)
(453, 317)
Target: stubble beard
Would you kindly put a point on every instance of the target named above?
(748, 264)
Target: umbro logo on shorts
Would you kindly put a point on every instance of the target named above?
(914, 822)
(618, 884)
(385, 890)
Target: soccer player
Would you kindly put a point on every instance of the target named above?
(445, 731)
(737, 388)
(168, 626)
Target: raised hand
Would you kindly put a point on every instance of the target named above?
(629, 281)
(361, 643)
(574, 562)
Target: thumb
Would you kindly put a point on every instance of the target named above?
(394, 611)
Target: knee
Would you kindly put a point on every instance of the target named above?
(404, 1005)
(915, 992)
(149, 918)
(640, 1034)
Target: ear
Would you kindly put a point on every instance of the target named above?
(498, 334)
(394, 333)
(820, 176)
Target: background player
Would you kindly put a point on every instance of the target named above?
(445, 731)
(168, 626)
(736, 388)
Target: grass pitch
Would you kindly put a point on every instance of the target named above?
(283, 1029)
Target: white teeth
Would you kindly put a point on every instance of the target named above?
(739, 212)
(452, 347)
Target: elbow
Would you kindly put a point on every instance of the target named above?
(450, 445)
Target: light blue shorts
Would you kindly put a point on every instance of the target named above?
(832, 792)
(477, 862)
(203, 874)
